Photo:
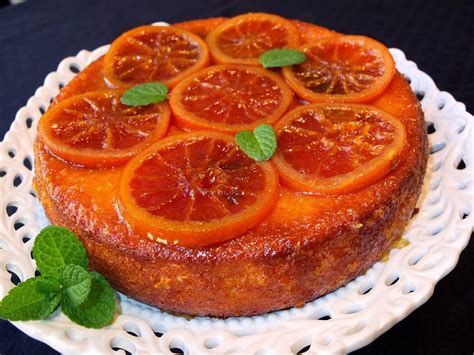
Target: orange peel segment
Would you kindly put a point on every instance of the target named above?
(242, 39)
(95, 129)
(230, 98)
(154, 53)
(342, 69)
(196, 189)
(337, 148)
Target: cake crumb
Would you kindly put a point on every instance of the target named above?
(163, 283)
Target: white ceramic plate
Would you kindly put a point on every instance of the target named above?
(342, 321)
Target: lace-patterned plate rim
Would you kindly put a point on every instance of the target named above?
(341, 321)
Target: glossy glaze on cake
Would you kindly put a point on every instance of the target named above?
(308, 246)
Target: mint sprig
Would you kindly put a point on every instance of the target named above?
(27, 302)
(98, 309)
(76, 283)
(260, 144)
(145, 94)
(85, 297)
(281, 57)
(56, 247)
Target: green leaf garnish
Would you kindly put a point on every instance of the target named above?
(281, 57)
(99, 307)
(76, 282)
(145, 94)
(56, 247)
(260, 144)
(48, 286)
(26, 302)
(85, 297)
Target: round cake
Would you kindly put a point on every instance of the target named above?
(176, 213)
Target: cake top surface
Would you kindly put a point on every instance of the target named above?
(184, 178)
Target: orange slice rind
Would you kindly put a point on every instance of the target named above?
(337, 148)
(342, 69)
(96, 129)
(230, 98)
(154, 54)
(242, 39)
(196, 189)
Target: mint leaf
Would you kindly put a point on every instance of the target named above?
(281, 57)
(48, 286)
(145, 94)
(56, 247)
(86, 298)
(98, 309)
(260, 144)
(76, 282)
(26, 302)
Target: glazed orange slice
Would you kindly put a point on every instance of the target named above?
(201, 27)
(342, 69)
(337, 148)
(230, 98)
(309, 33)
(154, 53)
(196, 189)
(242, 39)
(95, 129)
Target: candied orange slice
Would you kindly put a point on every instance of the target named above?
(154, 53)
(342, 69)
(337, 148)
(230, 98)
(201, 27)
(196, 189)
(242, 39)
(95, 129)
(309, 33)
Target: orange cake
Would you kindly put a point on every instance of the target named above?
(174, 213)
